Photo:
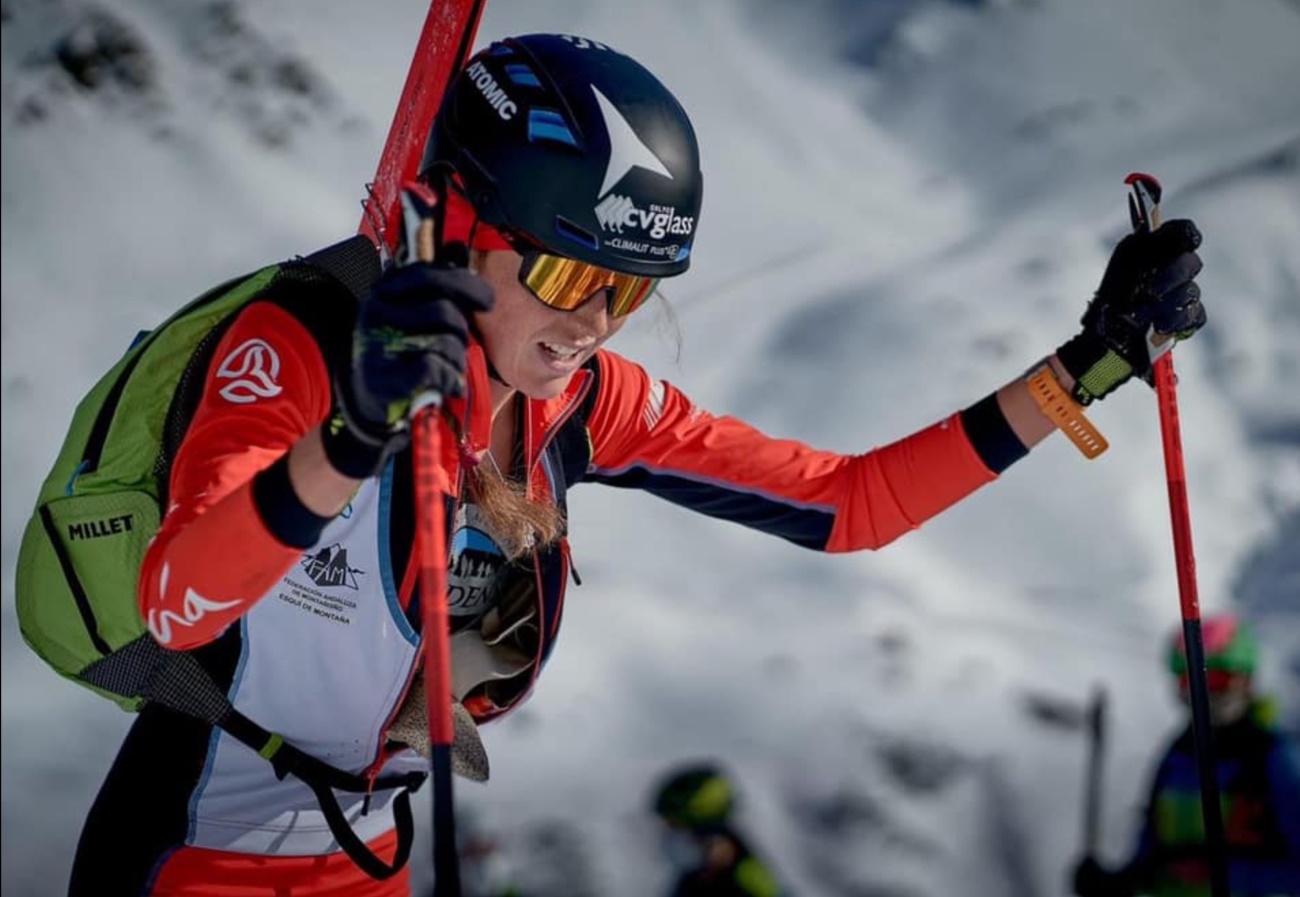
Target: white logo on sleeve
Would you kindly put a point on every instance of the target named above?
(192, 610)
(626, 151)
(654, 405)
(252, 369)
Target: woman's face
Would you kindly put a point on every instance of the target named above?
(536, 348)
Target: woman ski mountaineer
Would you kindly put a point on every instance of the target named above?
(285, 562)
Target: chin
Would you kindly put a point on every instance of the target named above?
(546, 388)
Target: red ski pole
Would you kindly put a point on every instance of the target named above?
(444, 45)
(1144, 210)
(431, 487)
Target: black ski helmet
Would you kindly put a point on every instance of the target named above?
(695, 797)
(575, 148)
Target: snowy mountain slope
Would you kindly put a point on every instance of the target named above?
(907, 203)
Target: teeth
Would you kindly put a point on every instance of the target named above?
(561, 351)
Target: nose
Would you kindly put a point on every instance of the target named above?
(595, 310)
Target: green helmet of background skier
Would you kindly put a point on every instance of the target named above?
(696, 797)
(1230, 647)
(1231, 655)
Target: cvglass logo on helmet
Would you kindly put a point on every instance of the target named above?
(493, 92)
(615, 212)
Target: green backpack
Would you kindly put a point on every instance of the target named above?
(81, 552)
(82, 549)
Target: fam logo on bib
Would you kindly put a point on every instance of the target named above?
(328, 568)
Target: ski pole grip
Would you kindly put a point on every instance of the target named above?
(1144, 210)
(418, 203)
(1157, 338)
(428, 399)
(424, 241)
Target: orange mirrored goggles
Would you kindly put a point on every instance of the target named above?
(565, 284)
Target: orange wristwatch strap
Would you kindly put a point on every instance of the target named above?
(1065, 412)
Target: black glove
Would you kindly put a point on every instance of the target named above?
(1092, 880)
(409, 338)
(1148, 285)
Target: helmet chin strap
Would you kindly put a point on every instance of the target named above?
(492, 371)
(494, 374)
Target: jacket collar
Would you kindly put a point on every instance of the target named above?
(474, 410)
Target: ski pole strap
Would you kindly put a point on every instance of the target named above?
(1065, 412)
(323, 779)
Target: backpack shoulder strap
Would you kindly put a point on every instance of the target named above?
(353, 262)
(178, 681)
(323, 779)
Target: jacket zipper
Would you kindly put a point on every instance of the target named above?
(549, 436)
(566, 557)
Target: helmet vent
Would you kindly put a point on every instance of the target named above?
(522, 75)
(549, 125)
(567, 229)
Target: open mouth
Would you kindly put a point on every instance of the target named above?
(560, 352)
